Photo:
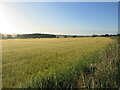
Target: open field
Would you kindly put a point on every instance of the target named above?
(48, 62)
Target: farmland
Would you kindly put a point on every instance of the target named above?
(50, 62)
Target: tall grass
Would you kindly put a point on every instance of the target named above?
(104, 73)
(49, 63)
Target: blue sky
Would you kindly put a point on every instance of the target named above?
(62, 17)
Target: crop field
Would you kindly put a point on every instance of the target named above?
(50, 62)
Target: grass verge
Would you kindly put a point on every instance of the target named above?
(104, 73)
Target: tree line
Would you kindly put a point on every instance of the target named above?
(24, 36)
(37, 35)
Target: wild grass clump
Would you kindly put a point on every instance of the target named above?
(104, 73)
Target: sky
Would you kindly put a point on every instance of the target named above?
(59, 17)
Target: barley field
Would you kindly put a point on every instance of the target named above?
(48, 62)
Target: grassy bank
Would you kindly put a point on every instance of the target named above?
(104, 73)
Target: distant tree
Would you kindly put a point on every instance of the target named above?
(2, 36)
(118, 34)
(74, 36)
(106, 35)
(9, 36)
(57, 36)
(65, 36)
(35, 35)
(94, 35)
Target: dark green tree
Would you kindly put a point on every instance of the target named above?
(74, 36)
(65, 36)
(94, 35)
(9, 37)
(106, 35)
(2, 36)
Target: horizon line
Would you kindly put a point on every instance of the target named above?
(60, 33)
